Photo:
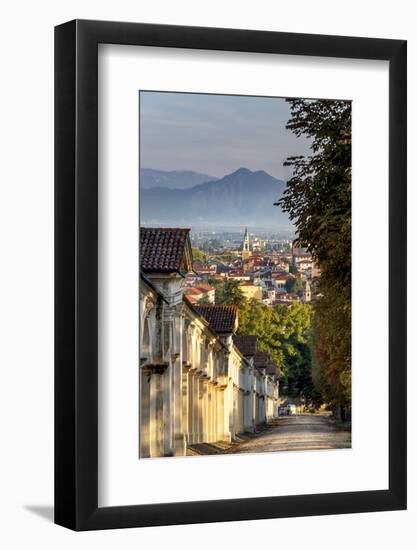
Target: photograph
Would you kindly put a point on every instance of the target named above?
(245, 274)
(207, 316)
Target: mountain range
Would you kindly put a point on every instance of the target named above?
(243, 197)
(176, 179)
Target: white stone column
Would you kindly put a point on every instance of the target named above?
(231, 405)
(144, 436)
(179, 440)
(156, 416)
(241, 421)
(206, 410)
(225, 407)
(211, 411)
(186, 403)
(167, 416)
(191, 414)
(200, 418)
(196, 407)
(220, 413)
(215, 413)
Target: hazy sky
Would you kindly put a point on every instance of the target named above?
(216, 134)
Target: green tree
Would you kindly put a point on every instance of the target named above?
(198, 255)
(318, 200)
(294, 285)
(285, 333)
(229, 292)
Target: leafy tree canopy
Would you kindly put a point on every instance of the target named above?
(285, 333)
(294, 285)
(229, 292)
(318, 201)
(198, 255)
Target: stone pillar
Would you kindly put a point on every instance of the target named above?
(196, 393)
(229, 407)
(235, 407)
(156, 416)
(191, 379)
(215, 412)
(144, 436)
(167, 420)
(200, 419)
(220, 413)
(212, 412)
(241, 410)
(206, 415)
(179, 440)
(224, 413)
(186, 402)
(249, 408)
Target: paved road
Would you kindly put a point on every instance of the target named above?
(295, 433)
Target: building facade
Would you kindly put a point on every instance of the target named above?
(199, 382)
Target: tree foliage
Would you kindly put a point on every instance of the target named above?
(285, 333)
(294, 285)
(318, 201)
(229, 292)
(198, 255)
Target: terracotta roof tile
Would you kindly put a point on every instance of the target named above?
(204, 288)
(246, 344)
(261, 359)
(221, 318)
(162, 250)
(272, 368)
(191, 290)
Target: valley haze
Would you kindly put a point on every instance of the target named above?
(187, 198)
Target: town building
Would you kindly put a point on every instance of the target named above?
(279, 279)
(200, 292)
(246, 253)
(251, 291)
(204, 270)
(199, 382)
(307, 292)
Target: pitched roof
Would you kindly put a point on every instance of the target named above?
(164, 250)
(204, 288)
(221, 318)
(272, 368)
(261, 359)
(282, 276)
(191, 290)
(198, 289)
(246, 344)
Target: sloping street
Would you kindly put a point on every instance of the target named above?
(288, 433)
(296, 433)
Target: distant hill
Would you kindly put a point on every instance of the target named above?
(150, 178)
(241, 198)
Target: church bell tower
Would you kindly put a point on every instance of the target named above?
(246, 253)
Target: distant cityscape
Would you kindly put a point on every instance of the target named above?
(266, 265)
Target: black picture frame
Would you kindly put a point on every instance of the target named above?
(76, 271)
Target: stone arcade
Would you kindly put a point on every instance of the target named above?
(199, 381)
